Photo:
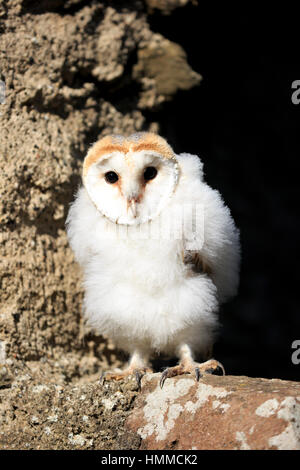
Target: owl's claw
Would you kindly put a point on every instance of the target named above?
(171, 372)
(198, 374)
(163, 377)
(209, 367)
(138, 377)
(139, 374)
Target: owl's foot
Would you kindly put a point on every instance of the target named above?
(189, 367)
(119, 374)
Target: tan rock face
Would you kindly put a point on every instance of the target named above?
(217, 413)
(163, 70)
(167, 6)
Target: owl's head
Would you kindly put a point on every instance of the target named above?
(130, 180)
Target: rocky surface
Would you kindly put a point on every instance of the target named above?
(40, 411)
(163, 70)
(37, 413)
(217, 413)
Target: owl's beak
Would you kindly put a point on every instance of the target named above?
(131, 205)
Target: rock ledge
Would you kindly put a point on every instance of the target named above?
(216, 413)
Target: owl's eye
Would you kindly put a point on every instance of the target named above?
(111, 177)
(150, 173)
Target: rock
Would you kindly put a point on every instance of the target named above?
(167, 6)
(162, 69)
(35, 414)
(217, 413)
(38, 411)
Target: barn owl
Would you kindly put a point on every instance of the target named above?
(159, 251)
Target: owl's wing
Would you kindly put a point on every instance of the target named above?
(218, 248)
(219, 255)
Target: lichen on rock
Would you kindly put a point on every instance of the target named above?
(217, 413)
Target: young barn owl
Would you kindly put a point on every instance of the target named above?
(159, 252)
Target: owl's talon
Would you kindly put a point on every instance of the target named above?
(198, 374)
(171, 372)
(138, 378)
(163, 377)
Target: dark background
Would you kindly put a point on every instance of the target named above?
(243, 124)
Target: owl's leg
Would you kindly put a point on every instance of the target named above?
(187, 365)
(137, 366)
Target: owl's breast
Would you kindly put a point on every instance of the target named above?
(150, 265)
